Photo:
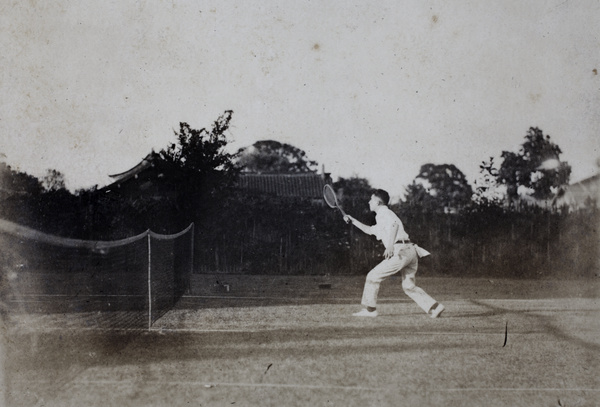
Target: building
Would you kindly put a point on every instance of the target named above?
(151, 178)
(147, 177)
(581, 194)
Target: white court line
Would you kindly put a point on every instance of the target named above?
(537, 299)
(143, 330)
(209, 385)
(316, 297)
(159, 330)
(536, 389)
(299, 299)
(80, 295)
(40, 298)
(279, 328)
(273, 329)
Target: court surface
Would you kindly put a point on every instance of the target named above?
(268, 341)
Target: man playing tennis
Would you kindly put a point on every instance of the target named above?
(400, 256)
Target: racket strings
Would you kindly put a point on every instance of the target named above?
(329, 196)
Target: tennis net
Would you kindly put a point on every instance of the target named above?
(121, 284)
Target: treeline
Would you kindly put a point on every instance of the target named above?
(490, 241)
(86, 214)
(469, 232)
(263, 235)
(257, 234)
(26, 200)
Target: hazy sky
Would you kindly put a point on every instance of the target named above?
(373, 89)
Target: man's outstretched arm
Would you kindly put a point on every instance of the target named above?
(358, 224)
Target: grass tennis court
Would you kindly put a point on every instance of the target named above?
(275, 341)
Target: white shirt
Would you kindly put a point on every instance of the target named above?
(385, 219)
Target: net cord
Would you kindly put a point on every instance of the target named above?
(25, 232)
(170, 237)
(14, 229)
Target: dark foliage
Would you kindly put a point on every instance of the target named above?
(263, 234)
(439, 188)
(241, 232)
(354, 194)
(45, 206)
(274, 157)
(488, 241)
(200, 166)
(523, 168)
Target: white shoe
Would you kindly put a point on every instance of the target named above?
(437, 311)
(366, 313)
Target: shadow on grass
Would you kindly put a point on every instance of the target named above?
(46, 362)
(61, 356)
(544, 321)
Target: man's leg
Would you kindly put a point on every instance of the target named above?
(373, 281)
(417, 294)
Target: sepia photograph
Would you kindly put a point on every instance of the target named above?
(300, 203)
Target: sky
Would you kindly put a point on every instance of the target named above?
(367, 89)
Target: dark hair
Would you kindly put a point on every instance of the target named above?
(382, 195)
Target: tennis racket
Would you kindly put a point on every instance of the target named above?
(331, 198)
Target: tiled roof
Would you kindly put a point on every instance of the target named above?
(305, 185)
(293, 185)
(145, 163)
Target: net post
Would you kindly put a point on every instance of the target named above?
(189, 279)
(149, 281)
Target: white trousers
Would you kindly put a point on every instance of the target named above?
(406, 260)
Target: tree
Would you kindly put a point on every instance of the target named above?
(200, 156)
(488, 192)
(53, 180)
(354, 194)
(526, 168)
(42, 204)
(439, 188)
(199, 165)
(18, 182)
(20, 194)
(273, 156)
(201, 152)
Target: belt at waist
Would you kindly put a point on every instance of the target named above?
(403, 241)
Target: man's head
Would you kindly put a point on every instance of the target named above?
(379, 197)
